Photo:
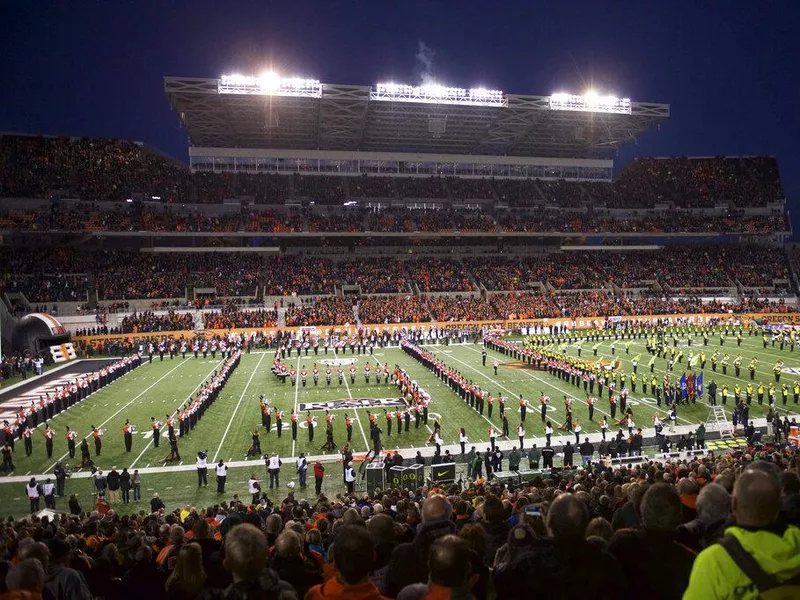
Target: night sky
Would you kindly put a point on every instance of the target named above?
(730, 70)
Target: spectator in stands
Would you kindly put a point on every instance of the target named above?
(408, 563)
(774, 546)
(644, 552)
(353, 555)
(547, 564)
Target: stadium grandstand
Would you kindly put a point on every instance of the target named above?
(368, 253)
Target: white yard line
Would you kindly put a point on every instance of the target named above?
(147, 445)
(349, 393)
(126, 405)
(235, 410)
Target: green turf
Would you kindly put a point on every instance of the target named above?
(225, 430)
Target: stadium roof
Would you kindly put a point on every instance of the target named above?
(238, 112)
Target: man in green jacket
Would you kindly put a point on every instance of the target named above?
(774, 545)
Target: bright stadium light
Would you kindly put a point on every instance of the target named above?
(591, 101)
(269, 84)
(437, 94)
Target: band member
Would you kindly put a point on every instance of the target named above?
(173, 449)
(310, 427)
(388, 416)
(279, 421)
(127, 431)
(85, 457)
(155, 427)
(293, 419)
(523, 408)
(328, 375)
(366, 373)
(492, 437)
(315, 374)
(340, 375)
(27, 435)
(348, 425)
(255, 447)
(71, 436)
(521, 435)
(98, 443)
(49, 434)
(591, 402)
(543, 401)
(170, 426)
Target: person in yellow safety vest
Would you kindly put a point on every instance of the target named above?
(758, 538)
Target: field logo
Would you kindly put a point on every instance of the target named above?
(791, 370)
(352, 404)
(338, 362)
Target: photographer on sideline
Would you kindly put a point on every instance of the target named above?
(202, 468)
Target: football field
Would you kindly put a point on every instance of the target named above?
(159, 388)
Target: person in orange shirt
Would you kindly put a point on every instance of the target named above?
(293, 419)
(354, 559)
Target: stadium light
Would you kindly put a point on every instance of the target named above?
(591, 101)
(437, 94)
(269, 84)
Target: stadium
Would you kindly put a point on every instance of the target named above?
(424, 274)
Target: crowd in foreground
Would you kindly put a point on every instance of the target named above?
(662, 529)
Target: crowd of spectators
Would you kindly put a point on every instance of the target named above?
(439, 275)
(86, 216)
(374, 275)
(329, 310)
(63, 275)
(459, 308)
(647, 529)
(698, 182)
(422, 187)
(392, 309)
(104, 169)
(230, 275)
(234, 316)
(148, 321)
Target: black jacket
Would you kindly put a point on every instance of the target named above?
(550, 565)
(654, 563)
(113, 480)
(409, 562)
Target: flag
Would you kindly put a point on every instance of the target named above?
(652, 361)
(699, 384)
(694, 360)
(690, 384)
(637, 358)
(684, 390)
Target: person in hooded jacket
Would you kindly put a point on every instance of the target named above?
(409, 561)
